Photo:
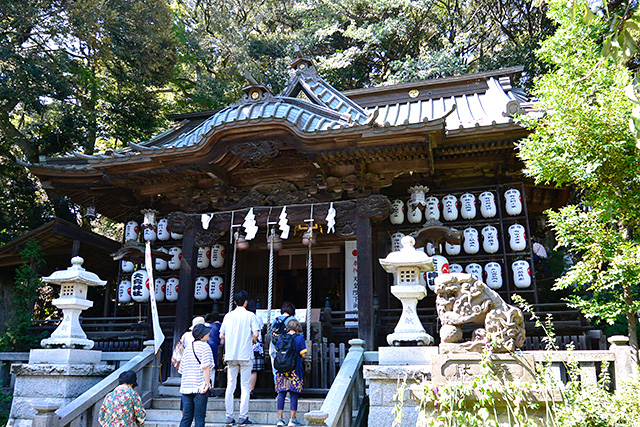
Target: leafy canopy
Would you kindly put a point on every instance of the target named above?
(584, 140)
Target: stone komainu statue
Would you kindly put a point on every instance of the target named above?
(461, 298)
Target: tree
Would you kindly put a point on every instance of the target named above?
(74, 74)
(584, 140)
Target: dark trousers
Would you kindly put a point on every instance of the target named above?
(193, 405)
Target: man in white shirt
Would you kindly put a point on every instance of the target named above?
(239, 331)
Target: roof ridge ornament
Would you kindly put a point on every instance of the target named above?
(254, 91)
(301, 64)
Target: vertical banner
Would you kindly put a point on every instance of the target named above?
(158, 336)
(351, 282)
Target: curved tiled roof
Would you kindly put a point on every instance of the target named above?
(495, 106)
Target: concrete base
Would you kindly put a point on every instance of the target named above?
(65, 356)
(54, 384)
(406, 355)
(455, 367)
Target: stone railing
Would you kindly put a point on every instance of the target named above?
(347, 394)
(6, 360)
(83, 411)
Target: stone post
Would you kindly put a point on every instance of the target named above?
(625, 368)
(46, 416)
(316, 418)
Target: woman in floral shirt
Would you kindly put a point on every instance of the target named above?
(123, 407)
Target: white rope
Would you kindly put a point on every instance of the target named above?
(270, 239)
(232, 288)
(309, 286)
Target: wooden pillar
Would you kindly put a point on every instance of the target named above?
(373, 208)
(184, 306)
(365, 282)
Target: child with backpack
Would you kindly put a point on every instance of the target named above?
(290, 351)
(279, 328)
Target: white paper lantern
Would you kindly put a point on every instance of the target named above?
(455, 268)
(201, 289)
(176, 257)
(474, 269)
(517, 237)
(490, 239)
(172, 289)
(521, 274)
(513, 201)
(414, 215)
(160, 286)
(216, 287)
(442, 267)
(217, 255)
(397, 212)
(131, 231)
(163, 231)
(140, 288)
(204, 252)
(127, 266)
(471, 243)
(162, 264)
(396, 241)
(150, 234)
(124, 291)
(468, 206)
(431, 249)
(493, 271)
(432, 210)
(488, 204)
(450, 207)
(176, 236)
(452, 249)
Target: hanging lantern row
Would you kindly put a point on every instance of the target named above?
(158, 231)
(420, 207)
(138, 288)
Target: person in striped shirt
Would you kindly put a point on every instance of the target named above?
(195, 368)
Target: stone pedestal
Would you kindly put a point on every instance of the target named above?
(53, 377)
(464, 367)
(409, 328)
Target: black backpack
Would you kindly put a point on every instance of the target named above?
(279, 328)
(286, 355)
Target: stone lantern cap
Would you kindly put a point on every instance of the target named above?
(408, 256)
(75, 275)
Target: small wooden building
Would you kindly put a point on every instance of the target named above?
(309, 149)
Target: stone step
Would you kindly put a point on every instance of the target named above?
(171, 417)
(256, 405)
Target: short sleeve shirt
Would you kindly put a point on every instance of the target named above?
(192, 376)
(122, 408)
(238, 327)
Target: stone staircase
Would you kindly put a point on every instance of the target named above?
(165, 409)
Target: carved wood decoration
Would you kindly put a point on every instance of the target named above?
(257, 153)
(179, 222)
(375, 207)
(346, 229)
(207, 237)
(279, 193)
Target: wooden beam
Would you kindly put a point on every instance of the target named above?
(184, 306)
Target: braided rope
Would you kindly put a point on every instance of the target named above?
(232, 288)
(270, 297)
(309, 286)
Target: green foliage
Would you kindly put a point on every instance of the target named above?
(26, 286)
(5, 406)
(584, 140)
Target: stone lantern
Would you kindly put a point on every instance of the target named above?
(407, 265)
(74, 283)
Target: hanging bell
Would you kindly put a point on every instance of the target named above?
(242, 243)
(308, 238)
